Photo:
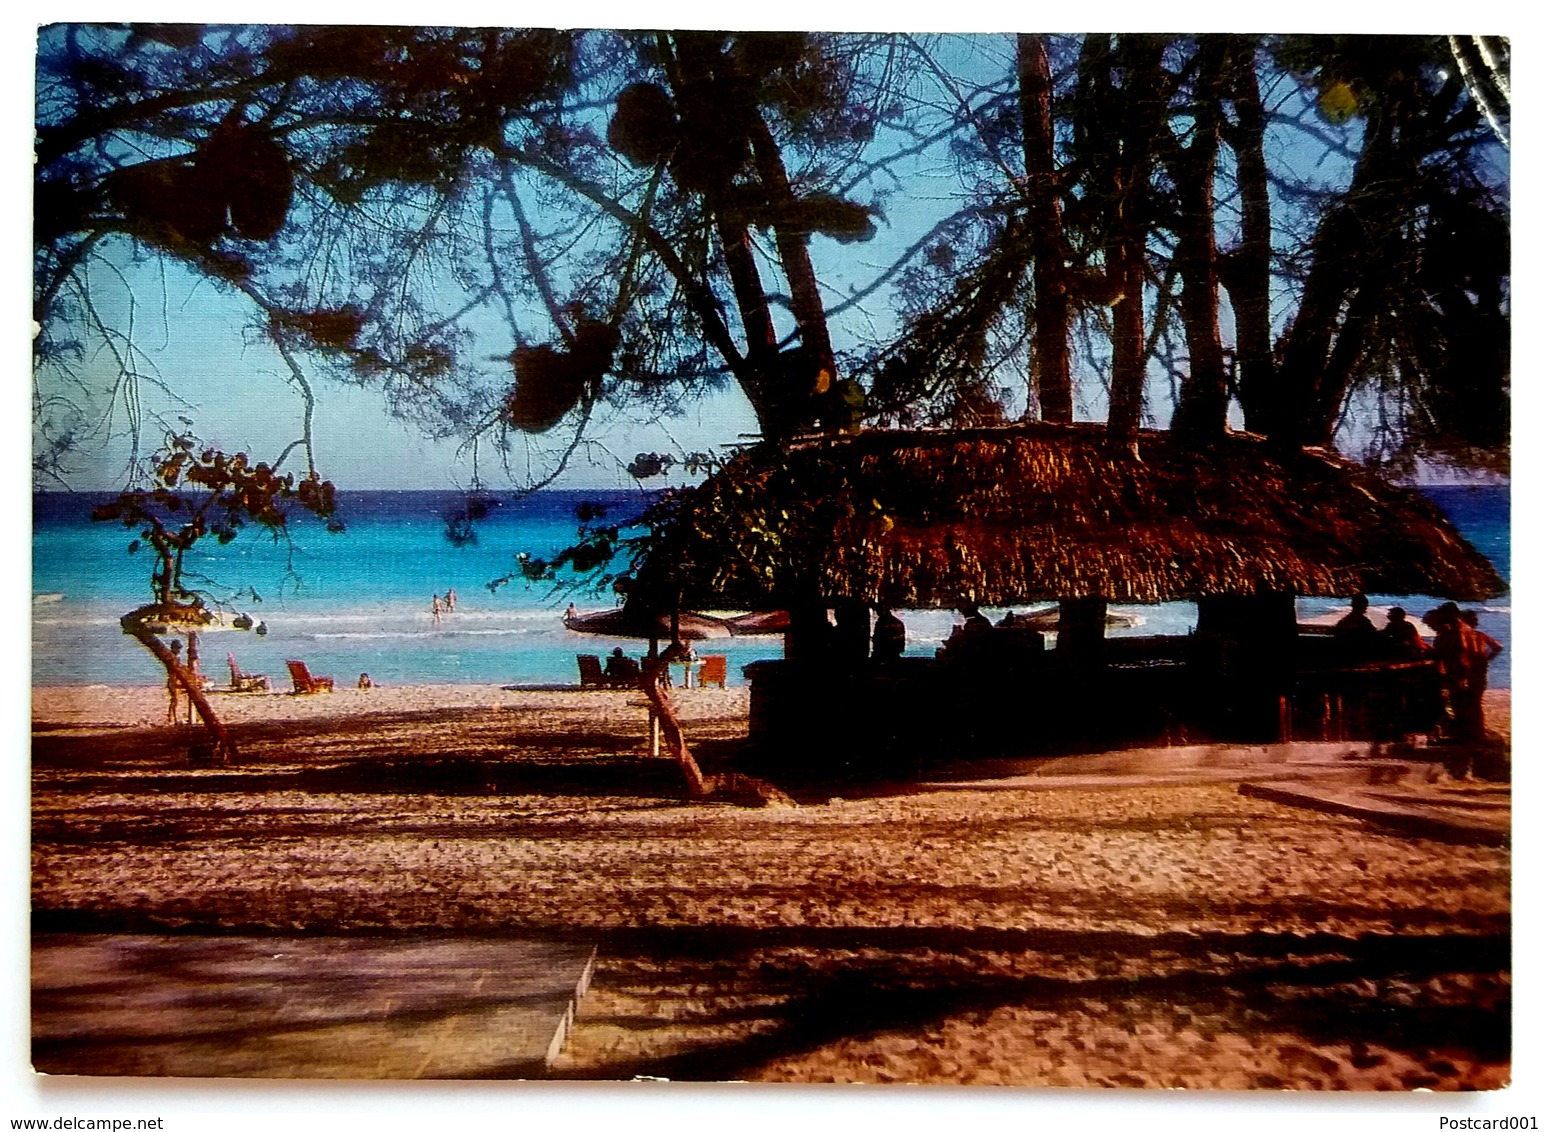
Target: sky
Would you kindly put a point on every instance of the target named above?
(190, 1106)
(215, 369)
(199, 341)
(212, 366)
(235, 388)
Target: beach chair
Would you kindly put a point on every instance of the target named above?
(713, 670)
(591, 671)
(304, 681)
(245, 681)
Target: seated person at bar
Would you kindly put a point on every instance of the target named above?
(970, 636)
(621, 668)
(889, 638)
(1356, 635)
(973, 622)
(1400, 639)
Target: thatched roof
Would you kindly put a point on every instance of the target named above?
(929, 519)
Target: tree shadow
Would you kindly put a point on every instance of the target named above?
(1327, 990)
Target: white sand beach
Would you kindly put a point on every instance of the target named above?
(1157, 935)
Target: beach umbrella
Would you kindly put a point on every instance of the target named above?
(627, 622)
(759, 624)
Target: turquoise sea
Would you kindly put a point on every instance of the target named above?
(360, 601)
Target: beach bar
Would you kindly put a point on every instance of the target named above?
(834, 528)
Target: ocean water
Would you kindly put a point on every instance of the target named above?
(360, 601)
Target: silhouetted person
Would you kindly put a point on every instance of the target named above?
(1356, 634)
(968, 639)
(1463, 654)
(974, 622)
(175, 646)
(1401, 639)
(622, 669)
(889, 638)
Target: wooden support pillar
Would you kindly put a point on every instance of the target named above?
(852, 637)
(1082, 629)
(810, 636)
(1248, 662)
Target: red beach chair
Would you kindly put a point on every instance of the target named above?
(713, 670)
(305, 682)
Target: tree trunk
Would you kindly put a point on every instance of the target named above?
(1247, 275)
(739, 788)
(805, 296)
(1082, 630)
(671, 727)
(1126, 270)
(687, 61)
(1141, 101)
(225, 746)
(1345, 285)
(757, 324)
(1050, 279)
(1204, 399)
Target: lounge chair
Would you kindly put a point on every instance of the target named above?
(304, 681)
(593, 675)
(713, 670)
(591, 671)
(245, 681)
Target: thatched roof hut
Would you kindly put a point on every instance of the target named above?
(926, 519)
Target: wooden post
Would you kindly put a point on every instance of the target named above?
(1082, 629)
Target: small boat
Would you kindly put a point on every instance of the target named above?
(46, 599)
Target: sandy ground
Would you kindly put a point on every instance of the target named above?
(1129, 936)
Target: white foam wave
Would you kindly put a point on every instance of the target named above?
(420, 634)
(411, 613)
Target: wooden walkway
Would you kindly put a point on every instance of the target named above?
(293, 1007)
